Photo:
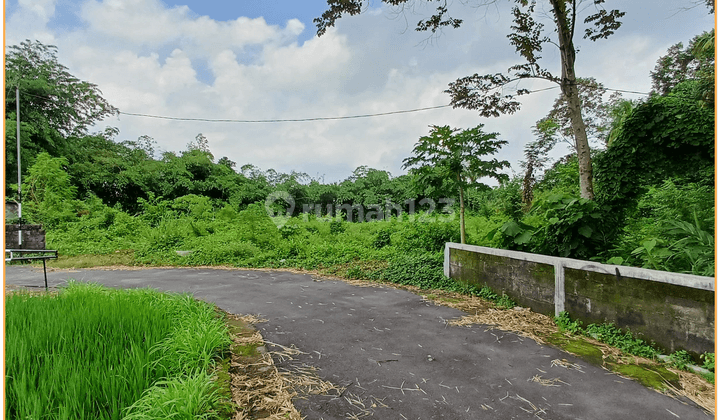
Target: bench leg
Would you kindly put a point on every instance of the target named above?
(45, 272)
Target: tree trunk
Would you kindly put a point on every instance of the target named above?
(568, 84)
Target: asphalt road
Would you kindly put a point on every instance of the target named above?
(395, 353)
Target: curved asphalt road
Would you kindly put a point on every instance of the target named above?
(390, 346)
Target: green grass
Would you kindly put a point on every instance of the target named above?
(186, 397)
(90, 352)
(124, 257)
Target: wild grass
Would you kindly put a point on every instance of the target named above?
(90, 352)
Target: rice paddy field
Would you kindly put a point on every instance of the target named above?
(89, 352)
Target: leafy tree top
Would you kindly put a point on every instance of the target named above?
(458, 155)
(49, 94)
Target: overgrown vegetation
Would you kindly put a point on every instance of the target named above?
(654, 207)
(94, 353)
(628, 343)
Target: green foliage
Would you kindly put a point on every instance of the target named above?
(427, 236)
(455, 157)
(54, 104)
(337, 227)
(424, 270)
(288, 230)
(680, 359)
(574, 227)
(189, 397)
(625, 341)
(564, 322)
(562, 177)
(458, 154)
(382, 237)
(608, 334)
(513, 235)
(696, 62)
(193, 342)
(504, 302)
(671, 229)
(508, 199)
(662, 138)
(478, 230)
(653, 256)
(708, 361)
(49, 195)
(695, 248)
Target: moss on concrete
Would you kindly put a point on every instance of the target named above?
(543, 272)
(650, 375)
(583, 349)
(653, 376)
(246, 350)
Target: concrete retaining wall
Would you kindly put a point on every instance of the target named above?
(676, 311)
(33, 237)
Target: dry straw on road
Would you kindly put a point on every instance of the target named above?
(263, 391)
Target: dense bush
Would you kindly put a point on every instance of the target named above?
(424, 270)
(428, 236)
(574, 227)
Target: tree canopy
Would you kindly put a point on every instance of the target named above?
(55, 106)
(456, 157)
(490, 94)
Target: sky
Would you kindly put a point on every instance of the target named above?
(262, 60)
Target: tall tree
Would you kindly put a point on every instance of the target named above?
(485, 93)
(598, 115)
(696, 62)
(596, 109)
(54, 104)
(458, 155)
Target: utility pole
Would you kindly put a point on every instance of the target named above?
(19, 177)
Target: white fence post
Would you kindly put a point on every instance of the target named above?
(559, 287)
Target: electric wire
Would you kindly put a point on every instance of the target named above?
(407, 111)
(334, 118)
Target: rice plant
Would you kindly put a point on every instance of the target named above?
(91, 352)
(190, 397)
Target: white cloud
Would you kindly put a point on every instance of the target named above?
(151, 24)
(43, 9)
(30, 22)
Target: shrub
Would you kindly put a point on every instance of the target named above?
(382, 237)
(337, 227)
(424, 270)
(708, 361)
(680, 359)
(625, 341)
(564, 323)
(575, 227)
(427, 236)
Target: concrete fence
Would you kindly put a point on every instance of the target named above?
(676, 311)
(33, 237)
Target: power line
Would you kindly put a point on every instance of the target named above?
(285, 120)
(348, 117)
(629, 91)
(303, 119)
